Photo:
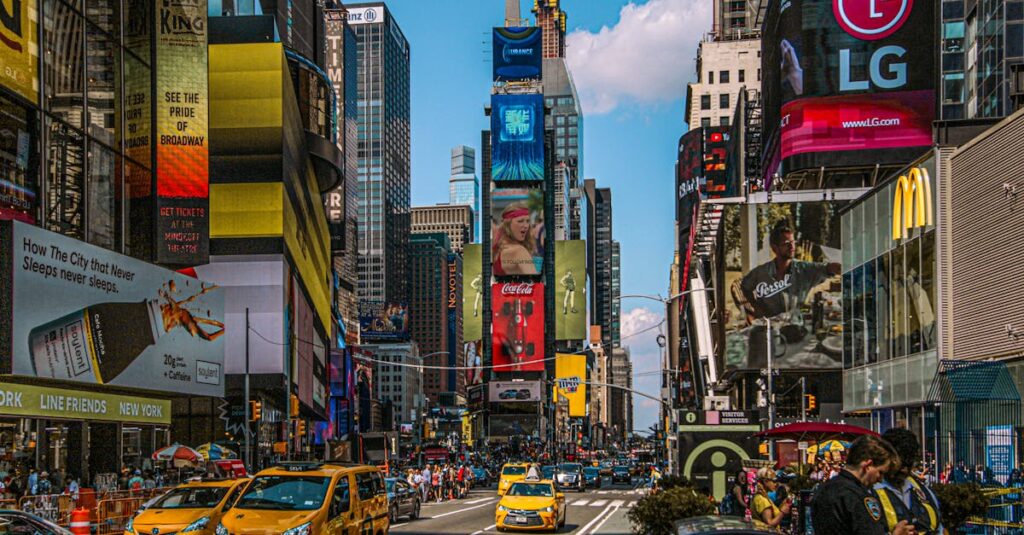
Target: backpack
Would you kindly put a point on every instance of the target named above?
(729, 507)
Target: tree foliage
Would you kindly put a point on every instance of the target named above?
(958, 502)
(656, 513)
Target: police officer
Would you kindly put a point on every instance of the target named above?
(845, 505)
(901, 494)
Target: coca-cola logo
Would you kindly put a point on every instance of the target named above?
(765, 289)
(517, 288)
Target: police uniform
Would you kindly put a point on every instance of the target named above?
(912, 502)
(842, 506)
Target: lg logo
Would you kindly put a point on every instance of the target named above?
(870, 20)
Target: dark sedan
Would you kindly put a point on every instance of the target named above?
(403, 500)
(12, 521)
(620, 474)
(592, 476)
(717, 525)
(570, 476)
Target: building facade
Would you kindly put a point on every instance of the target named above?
(603, 305)
(383, 153)
(723, 68)
(455, 221)
(551, 21)
(428, 306)
(464, 185)
(621, 398)
(397, 381)
(737, 19)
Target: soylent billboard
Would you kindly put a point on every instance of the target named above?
(89, 315)
(788, 273)
(182, 128)
(516, 53)
(473, 286)
(517, 138)
(517, 329)
(570, 290)
(849, 83)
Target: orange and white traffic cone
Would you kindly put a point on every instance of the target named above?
(80, 521)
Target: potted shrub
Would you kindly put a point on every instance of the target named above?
(656, 514)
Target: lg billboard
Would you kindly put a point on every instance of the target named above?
(848, 83)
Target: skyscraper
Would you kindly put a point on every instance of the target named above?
(384, 176)
(603, 303)
(464, 186)
(455, 221)
(551, 20)
(737, 19)
(435, 293)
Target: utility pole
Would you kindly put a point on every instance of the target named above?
(248, 445)
(803, 399)
(770, 383)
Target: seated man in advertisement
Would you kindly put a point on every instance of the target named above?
(777, 289)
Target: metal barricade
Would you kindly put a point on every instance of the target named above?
(53, 507)
(112, 515)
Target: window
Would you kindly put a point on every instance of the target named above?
(742, 76)
(711, 77)
(759, 75)
(705, 121)
(723, 101)
(724, 121)
(705, 102)
(341, 500)
(723, 77)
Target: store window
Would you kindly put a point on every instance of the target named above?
(18, 161)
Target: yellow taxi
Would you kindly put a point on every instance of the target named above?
(194, 508)
(531, 505)
(310, 499)
(512, 472)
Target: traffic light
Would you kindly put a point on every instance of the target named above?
(302, 428)
(255, 411)
(811, 402)
(294, 408)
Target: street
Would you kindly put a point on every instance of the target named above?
(592, 512)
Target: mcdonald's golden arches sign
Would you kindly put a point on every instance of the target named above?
(912, 204)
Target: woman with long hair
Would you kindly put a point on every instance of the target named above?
(514, 245)
(762, 506)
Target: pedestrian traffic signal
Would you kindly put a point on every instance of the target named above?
(255, 410)
(302, 428)
(811, 401)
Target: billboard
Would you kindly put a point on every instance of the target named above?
(89, 315)
(570, 290)
(383, 322)
(514, 425)
(570, 382)
(516, 54)
(517, 329)
(517, 231)
(474, 362)
(472, 292)
(182, 128)
(19, 49)
(514, 391)
(788, 273)
(849, 83)
(517, 138)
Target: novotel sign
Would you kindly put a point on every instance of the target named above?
(452, 276)
(912, 203)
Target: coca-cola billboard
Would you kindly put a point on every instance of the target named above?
(517, 329)
(790, 277)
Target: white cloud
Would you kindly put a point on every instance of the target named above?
(637, 320)
(648, 56)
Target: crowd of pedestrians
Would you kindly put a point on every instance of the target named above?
(441, 482)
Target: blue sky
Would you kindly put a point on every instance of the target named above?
(631, 62)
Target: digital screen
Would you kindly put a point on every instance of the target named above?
(517, 130)
(517, 326)
(516, 54)
(517, 231)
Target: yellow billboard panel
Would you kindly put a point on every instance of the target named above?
(19, 50)
(570, 379)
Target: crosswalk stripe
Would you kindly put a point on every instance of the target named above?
(580, 502)
(618, 503)
(599, 503)
(603, 491)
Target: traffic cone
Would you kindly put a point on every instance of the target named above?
(80, 521)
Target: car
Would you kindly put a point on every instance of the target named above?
(606, 468)
(14, 521)
(531, 505)
(194, 507)
(718, 525)
(570, 476)
(548, 472)
(592, 476)
(309, 498)
(523, 393)
(510, 473)
(403, 500)
(481, 477)
(621, 474)
(509, 394)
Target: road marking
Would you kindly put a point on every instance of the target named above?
(599, 503)
(606, 517)
(398, 525)
(442, 515)
(584, 529)
(603, 491)
(483, 530)
(479, 500)
(580, 502)
(618, 503)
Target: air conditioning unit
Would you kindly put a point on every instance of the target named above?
(716, 403)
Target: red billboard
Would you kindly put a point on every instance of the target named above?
(517, 329)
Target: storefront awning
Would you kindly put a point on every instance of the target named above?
(30, 401)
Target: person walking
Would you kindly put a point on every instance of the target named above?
(762, 506)
(903, 496)
(845, 504)
(427, 483)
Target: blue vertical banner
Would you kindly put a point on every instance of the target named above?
(517, 138)
(999, 451)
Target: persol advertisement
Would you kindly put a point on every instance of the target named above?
(517, 231)
(849, 83)
(517, 328)
(516, 54)
(89, 315)
(517, 138)
(182, 128)
(792, 278)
